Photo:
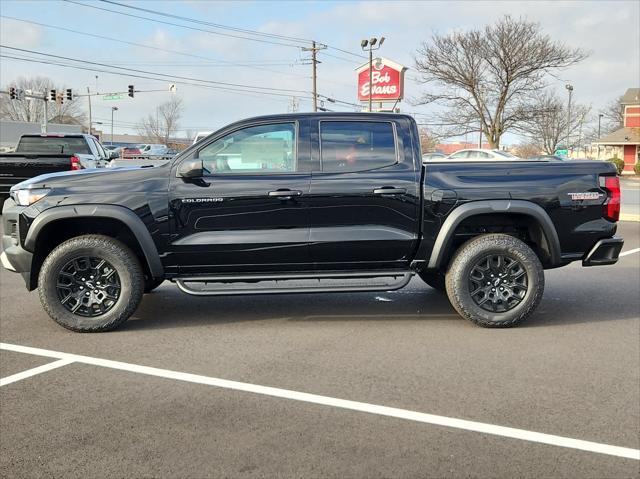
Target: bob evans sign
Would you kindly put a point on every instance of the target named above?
(387, 80)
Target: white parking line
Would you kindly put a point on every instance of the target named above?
(32, 372)
(463, 424)
(631, 251)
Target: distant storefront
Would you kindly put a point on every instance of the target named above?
(625, 142)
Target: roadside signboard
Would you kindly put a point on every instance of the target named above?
(561, 153)
(387, 80)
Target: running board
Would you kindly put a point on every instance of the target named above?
(333, 282)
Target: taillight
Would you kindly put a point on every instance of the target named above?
(611, 207)
(75, 163)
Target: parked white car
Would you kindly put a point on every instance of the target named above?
(153, 149)
(477, 154)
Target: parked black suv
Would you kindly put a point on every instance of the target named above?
(308, 203)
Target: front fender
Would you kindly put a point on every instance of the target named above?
(120, 213)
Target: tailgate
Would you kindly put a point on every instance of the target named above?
(16, 168)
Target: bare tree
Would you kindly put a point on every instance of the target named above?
(161, 126)
(428, 140)
(613, 115)
(546, 126)
(32, 110)
(485, 76)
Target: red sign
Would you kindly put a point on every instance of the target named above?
(387, 81)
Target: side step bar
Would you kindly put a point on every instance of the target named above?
(307, 283)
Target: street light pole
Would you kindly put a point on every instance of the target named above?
(600, 115)
(570, 89)
(370, 45)
(113, 108)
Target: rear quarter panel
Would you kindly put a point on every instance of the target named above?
(548, 184)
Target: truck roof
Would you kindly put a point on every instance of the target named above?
(330, 114)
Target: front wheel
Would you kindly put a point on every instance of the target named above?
(495, 280)
(91, 283)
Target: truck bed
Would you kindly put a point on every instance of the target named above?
(17, 167)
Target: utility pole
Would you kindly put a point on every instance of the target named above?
(570, 89)
(46, 112)
(370, 45)
(89, 98)
(314, 62)
(113, 108)
(600, 115)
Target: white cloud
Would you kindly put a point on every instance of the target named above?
(20, 34)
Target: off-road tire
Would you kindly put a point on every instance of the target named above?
(473, 251)
(150, 284)
(435, 279)
(123, 260)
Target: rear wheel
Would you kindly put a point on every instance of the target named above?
(90, 283)
(435, 279)
(495, 280)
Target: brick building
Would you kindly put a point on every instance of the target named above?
(625, 142)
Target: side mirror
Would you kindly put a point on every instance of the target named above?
(113, 155)
(190, 169)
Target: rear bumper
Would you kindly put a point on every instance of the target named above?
(604, 252)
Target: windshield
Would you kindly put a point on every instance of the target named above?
(53, 145)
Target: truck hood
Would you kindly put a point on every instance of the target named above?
(99, 179)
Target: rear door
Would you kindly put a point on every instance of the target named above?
(249, 211)
(364, 200)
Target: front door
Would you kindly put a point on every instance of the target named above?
(248, 211)
(364, 201)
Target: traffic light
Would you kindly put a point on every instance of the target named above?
(69, 94)
(60, 98)
(131, 92)
(12, 93)
(52, 95)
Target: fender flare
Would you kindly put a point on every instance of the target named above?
(474, 208)
(120, 213)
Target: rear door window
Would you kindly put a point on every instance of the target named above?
(53, 145)
(347, 146)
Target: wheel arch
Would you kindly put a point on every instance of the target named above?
(536, 216)
(63, 222)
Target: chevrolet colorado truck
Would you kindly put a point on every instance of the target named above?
(304, 203)
(49, 153)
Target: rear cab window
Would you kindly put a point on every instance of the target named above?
(349, 146)
(53, 145)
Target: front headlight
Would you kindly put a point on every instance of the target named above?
(27, 197)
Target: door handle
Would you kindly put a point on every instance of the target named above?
(389, 190)
(284, 194)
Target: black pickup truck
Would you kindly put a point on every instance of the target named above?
(306, 203)
(49, 153)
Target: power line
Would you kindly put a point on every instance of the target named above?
(227, 27)
(215, 25)
(131, 75)
(184, 26)
(176, 52)
(135, 70)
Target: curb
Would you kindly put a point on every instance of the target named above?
(629, 217)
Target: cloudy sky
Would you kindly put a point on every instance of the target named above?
(274, 68)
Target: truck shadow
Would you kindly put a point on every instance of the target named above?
(564, 303)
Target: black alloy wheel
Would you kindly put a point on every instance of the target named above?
(498, 283)
(88, 286)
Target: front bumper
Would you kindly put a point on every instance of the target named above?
(604, 252)
(14, 257)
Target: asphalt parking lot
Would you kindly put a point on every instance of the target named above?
(572, 373)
